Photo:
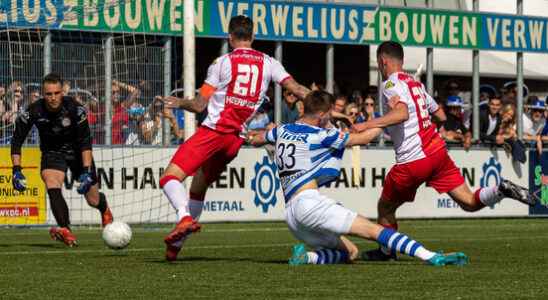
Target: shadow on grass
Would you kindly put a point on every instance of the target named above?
(191, 259)
(44, 245)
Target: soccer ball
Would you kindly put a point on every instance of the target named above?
(117, 235)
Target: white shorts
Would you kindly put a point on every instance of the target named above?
(317, 220)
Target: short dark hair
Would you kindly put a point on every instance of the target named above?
(241, 28)
(52, 78)
(391, 49)
(318, 101)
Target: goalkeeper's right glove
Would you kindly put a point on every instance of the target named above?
(18, 179)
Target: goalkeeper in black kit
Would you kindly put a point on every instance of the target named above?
(65, 143)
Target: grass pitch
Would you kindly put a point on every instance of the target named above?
(509, 260)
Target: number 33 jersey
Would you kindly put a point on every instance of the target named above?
(241, 79)
(417, 137)
(305, 153)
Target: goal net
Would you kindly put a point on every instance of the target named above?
(116, 75)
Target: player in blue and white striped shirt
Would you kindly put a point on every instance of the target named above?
(308, 157)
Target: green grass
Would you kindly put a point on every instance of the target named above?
(509, 260)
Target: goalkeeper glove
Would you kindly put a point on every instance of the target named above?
(86, 181)
(18, 179)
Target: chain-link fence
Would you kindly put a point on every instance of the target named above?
(137, 78)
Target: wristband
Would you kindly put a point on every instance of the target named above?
(16, 169)
(87, 169)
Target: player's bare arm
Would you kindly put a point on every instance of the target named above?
(439, 116)
(87, 157)
(363, 138)
(257, 138)
(195, 105)
(293, 86)
(395, 116)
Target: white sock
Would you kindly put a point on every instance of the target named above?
(489, 196)
(424, 253)
(195, 207)
(177, 195)
(312, 257)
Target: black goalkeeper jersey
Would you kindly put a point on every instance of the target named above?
(65, 131)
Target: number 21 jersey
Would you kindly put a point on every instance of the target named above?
(417, 137)
(241, 79)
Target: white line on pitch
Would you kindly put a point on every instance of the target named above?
(74, 251)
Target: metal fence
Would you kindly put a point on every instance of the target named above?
(137, 76)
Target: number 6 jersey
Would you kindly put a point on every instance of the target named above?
(417, 137)
(240, 79)
(305, 153)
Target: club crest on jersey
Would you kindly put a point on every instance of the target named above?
(389, 84)
(65, 122)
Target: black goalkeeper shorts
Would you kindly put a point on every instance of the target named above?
(62, 162)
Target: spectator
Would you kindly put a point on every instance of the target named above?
(352, 112)
(338, 118)
(508, 135)
(453, 88)
(151, 127)
(368, 111)
(510, 93)
(542, 139)
(453, 130)
(340, 104)
(300, 108)
(136, 118)
(33, 94)
(487, 92)
(357, 97)
(290, 112)
(261, 119)
(66, 87)
(490, 120)
(533, 122)
(120, 117)
(507, 128)
(13, 105)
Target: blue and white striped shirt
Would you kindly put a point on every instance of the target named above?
(305, 153)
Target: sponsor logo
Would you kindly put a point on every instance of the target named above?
(265, 184)
(491, 174)
(542, 192)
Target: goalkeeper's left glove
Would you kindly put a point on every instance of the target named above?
(18, 179)
(86, 181)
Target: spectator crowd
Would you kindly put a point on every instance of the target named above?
(139, 120)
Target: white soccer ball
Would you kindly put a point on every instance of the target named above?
(117, 235)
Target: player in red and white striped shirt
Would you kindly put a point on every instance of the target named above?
(234, 89)
(421, 155)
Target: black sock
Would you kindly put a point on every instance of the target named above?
(59, 207)
(102, 205)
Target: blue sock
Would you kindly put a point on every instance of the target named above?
(399, 242)
(327, 257)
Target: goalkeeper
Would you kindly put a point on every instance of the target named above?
(65, 142)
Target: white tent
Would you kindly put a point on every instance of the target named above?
(492, 63)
